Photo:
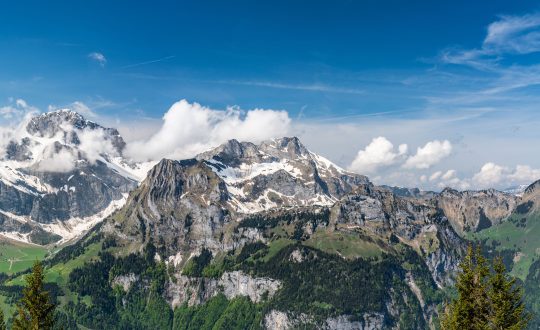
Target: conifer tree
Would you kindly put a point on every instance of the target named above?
(470, 309)
(35, 311)
(486, 300)
(2, 322)
(508, 310)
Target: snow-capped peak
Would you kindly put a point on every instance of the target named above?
(63, 170)
(276, 173)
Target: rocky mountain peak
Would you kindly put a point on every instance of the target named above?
(286, 147)
(61, 174)
(50, 123)
(66, 126)
(233, 153)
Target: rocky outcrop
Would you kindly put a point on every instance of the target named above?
(475, 210)
(278, 320)
(415, 222)
(343, 322)
(180, 207)
(125, 281)
(195, 291)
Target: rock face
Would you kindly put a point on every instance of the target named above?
(415, 222)
(475, 210)
(180, 207)
(239, 284)
(195, 291)
(278, 320)
(125, 281)
(54, 180)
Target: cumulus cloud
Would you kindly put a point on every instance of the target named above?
(524, 174)
(450, 179)
(489, 175)
(98, 57)
(493, 175)
(429, 155)
(190, 128)
(379, 153)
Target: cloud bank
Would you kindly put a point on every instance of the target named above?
(190, 128)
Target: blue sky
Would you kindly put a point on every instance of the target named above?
(345, 72)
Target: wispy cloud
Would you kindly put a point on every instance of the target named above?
(304, 87)
(148, 62)
(98, 57)
(509, 35)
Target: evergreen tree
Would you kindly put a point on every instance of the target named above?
(2, 322)
(35, 311)
(508, 310)
(486, 300)
(471, 308)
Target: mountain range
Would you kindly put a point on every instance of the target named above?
(271, 231)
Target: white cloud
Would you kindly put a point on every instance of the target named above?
(98, 57)
(514, 34)
(435, 176)
(379, 153)
(429, 155)
(509, 35)
(190, 128)
(16, 110)
(62, 161)
(524, 174)
(490, 175)
(94, 144)
(448, 175)
(493, 175)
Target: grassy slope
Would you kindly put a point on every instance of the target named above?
(17, 256)
(58, 274)
(348, 245)
(512, 237)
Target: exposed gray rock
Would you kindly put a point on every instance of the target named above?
(239, 284)
(475, 210)
(195, 291)
(125, 281)
(369, 322)
(277, 320)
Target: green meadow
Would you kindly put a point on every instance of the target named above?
(16, 256)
